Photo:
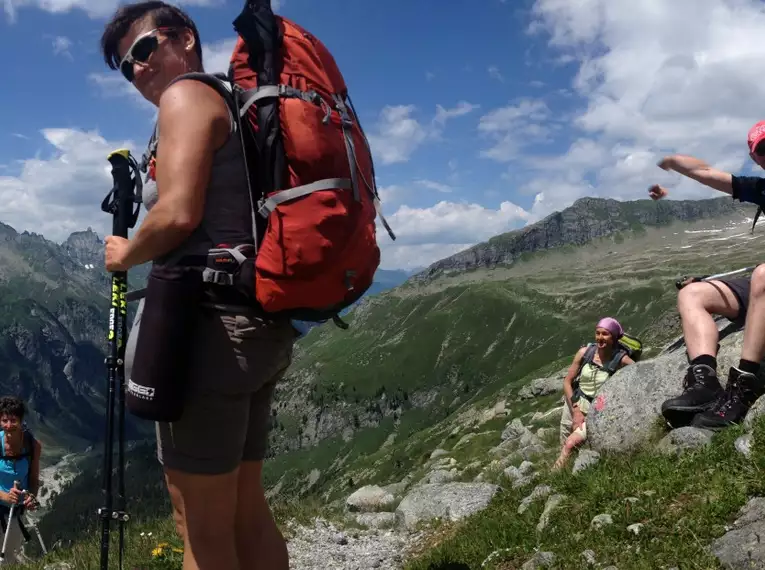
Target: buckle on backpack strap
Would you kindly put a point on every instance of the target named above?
(217, 277)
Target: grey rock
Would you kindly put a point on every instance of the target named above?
(514, 430)
(58, 566)
(317, 547)
(440, 476)
(451, 501)
(552, 503)
(376, 520)
(743, 444)
(586, 458)
(539, 560)
(438, 453)
(539, 492)
(684, 439)
(589, 557)
(741, 548)
(635, 528)
(525, 480)
(370, 498)
(757, 409)
(599, 521)
(541, 387)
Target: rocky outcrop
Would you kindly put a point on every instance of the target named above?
(587, 219)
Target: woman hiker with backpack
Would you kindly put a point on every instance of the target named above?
(592, 366)
(225, 357)
(20, 461)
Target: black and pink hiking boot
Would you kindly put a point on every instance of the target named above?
(732, 405)
(701, 389)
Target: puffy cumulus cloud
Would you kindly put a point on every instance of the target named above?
(398, 133)
(654, 77)
(61, 194)
(425, 235)
(512, 127)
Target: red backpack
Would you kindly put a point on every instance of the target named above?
(313, 182)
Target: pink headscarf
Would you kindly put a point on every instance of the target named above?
(612, 326)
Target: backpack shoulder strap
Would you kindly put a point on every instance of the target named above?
(587, 357)
(613, 366)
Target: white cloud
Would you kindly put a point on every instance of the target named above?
(61, 194)
(398, 134)
(61, 45)
(512, 127)
(425, 235)
(494, 73)
(655, 77)
(433, 185)
(462, 108)
(216, 56)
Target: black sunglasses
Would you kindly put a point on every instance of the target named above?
(140, 52)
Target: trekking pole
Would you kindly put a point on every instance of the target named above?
(125, 193)
(33, 524)
(16, 485)
(683, 281)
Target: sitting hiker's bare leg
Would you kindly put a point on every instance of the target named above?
(744, 386)
(697, 304)
(574, 440)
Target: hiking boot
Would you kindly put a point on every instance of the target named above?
(731, 407)
(701, 388)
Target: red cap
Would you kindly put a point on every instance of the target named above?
(756, 135)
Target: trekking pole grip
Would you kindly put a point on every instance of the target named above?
(125, 192)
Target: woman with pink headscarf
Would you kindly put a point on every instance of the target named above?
(592, 366)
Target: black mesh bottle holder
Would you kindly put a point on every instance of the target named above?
(158, 375)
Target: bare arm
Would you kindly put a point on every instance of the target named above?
(700, 171)
(573, 370)
(193, 123)
(625, 361)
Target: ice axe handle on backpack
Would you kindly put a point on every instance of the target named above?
(685, 280)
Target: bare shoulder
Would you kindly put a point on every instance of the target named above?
(191, 105)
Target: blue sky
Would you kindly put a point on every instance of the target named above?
(484, 116)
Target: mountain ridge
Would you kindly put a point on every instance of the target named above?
(586, 219)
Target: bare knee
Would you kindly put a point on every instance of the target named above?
(710, 297)
(758, 282)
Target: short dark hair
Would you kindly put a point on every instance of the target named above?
(163, 15)
(12, 406)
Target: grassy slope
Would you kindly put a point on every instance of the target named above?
(683, 505)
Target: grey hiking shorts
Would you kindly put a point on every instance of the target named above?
(236, 362)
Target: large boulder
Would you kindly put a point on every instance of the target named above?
(628, 406)
(450, 501)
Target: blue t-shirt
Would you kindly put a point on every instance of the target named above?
(14, 469)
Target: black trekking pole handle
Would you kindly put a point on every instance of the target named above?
(119, 202)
